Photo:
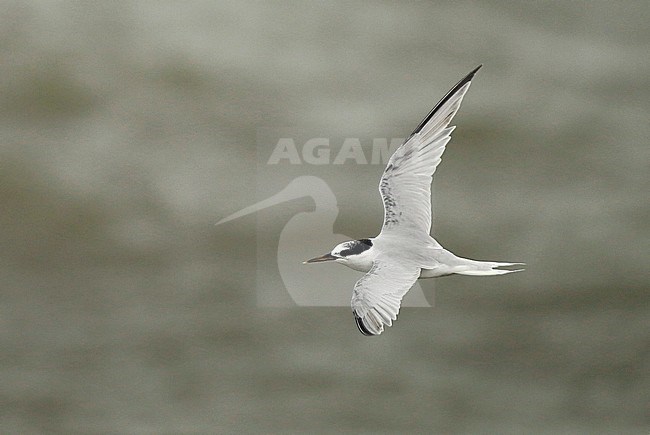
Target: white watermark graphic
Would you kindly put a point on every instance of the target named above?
(310, 233)
(318, 151)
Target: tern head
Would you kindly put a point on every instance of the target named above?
(352, 251)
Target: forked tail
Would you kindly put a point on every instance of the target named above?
(486, 268)
(446, 263)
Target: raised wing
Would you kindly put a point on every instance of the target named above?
(405, 186)
(377, 296)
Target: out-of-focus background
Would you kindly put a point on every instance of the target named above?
(129, 128)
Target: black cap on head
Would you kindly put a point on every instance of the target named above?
(357, 247)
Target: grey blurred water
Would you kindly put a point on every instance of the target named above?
(129, 128)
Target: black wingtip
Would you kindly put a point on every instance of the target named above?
(362, 328)
(448, 95)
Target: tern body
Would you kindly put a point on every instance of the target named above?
(404, 250)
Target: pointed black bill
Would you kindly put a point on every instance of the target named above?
(326, 257)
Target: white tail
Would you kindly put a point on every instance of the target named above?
(486, 268)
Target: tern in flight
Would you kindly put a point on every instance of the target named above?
(404, 251)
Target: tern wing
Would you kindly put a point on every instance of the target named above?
(377, 296)
(405, 186)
